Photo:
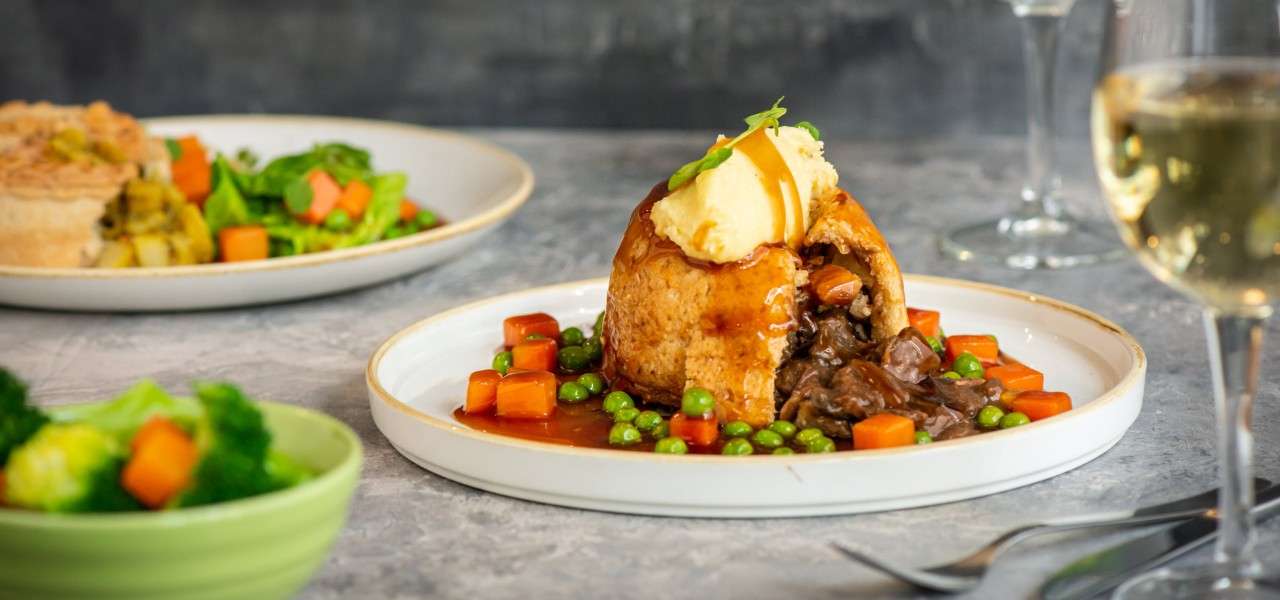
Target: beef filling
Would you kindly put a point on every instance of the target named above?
(833, 375)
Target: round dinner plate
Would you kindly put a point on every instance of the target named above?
(473, 185)
(419, 376)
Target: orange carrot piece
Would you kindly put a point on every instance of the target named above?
(155, 426)
(355, 198)
(515, 329)
(1041, 405)
(884, 430)
(325, 192)
(699, 432)
(191, 171)
(248, 242)
(835, 285)
(535, 355)
(482, 391)
(925, 321)
(527, 395)
(408, 210)
(982, 346)
(160, 467)
(1017, 377)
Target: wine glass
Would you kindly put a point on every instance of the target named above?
(1186, 137)
(1040, 234)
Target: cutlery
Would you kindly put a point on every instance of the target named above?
(1101, 571)
(966, 573)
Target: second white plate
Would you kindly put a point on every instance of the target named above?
(418, 377)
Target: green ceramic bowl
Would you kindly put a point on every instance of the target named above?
(261, 548)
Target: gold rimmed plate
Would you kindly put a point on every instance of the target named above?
(418, 377)
(472, 184)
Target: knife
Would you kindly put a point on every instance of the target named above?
(1101, 571)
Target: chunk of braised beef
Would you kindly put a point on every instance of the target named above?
(809, 415)
(800, 370)
(909, 357)
(869, 380)
(964, 428)
(835, 341)
(966, 395)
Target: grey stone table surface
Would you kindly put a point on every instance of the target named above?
(412, 534)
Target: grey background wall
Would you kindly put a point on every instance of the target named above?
(867, 68)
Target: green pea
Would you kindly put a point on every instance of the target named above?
(808, 434)
(573, 392)
(989, 417)
(671, 445)
(786, 429)
(697, 402)
(572, 336)
(737, 429)
(737, 447)
(573, 359)
(393, 232)
(535, 336)
(783, 450)
(935, 344)
(502, 362)
(661, 431)
(821, 445)
(593, 348)
(598, 328)
(624, 434)
(1014, 419)
(952, 375)
(646, 420)
(766, 438)
(409, 227)
(615, 400)
(337, 220)
(626, 414)
(593, 382)
(923, 437)
(968, 366)
(426, 219)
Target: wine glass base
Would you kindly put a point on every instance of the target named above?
(1034, 243)
(1208, 582)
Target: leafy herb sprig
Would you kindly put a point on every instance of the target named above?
(714, 157)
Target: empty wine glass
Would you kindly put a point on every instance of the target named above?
(1040, 234)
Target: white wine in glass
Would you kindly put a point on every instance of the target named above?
(1186, 135)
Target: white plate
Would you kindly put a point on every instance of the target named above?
(418, 377)
(472, 184)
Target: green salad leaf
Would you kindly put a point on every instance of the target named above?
(297, 195)
(225, 206)
(383, 210)
(342, 161)
(123, 415)
(174, 148)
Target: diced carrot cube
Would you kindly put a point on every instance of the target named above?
(1041, 405)
(699, 432)
(835, 285)
(408, 209)
(156, 425)
(516, 329)
(325, 192)
(527, 395)
(355, 198)
(160, 467)
(884, 430)
(925, 321)
(482, 391)
(984, 347)
(247, 242)
(191, 172)
(1017, 377)
(536, 355)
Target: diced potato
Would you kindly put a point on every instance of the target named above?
(174, 197)
(182, 252)
(197, 232)
(152, 250)
(116, 254)
(146, 223)
(144, 196)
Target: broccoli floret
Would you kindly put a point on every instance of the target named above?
(18, 421)
(126, 413)
(233, 441)
(68, 468)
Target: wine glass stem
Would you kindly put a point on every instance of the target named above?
(1234, 360)
(1040, 39)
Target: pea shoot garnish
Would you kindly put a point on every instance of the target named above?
(714, 157)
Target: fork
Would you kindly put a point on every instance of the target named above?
(966, 573)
